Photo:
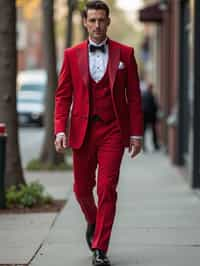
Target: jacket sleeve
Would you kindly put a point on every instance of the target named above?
(134, 97)
(63, 96)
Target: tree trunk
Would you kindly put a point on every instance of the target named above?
(71, 7)
(48, 154)
(83, 29)
(8, 113)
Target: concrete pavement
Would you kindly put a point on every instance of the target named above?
(21, 235)
(157, 221)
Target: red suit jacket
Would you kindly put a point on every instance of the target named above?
(73, 87)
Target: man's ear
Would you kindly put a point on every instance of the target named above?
(109, 21)
(85, 22)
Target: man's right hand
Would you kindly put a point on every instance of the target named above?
(61, 143)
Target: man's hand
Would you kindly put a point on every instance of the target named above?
(61, 143)
(135, 147)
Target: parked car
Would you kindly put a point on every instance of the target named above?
(32, 80)
(30, 107)
(31, 89)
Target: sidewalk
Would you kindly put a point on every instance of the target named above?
(157, 223)
(21, 235)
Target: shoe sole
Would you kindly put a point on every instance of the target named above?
(94, 264)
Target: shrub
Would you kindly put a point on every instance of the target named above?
(29, 195)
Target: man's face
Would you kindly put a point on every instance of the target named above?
(97, 24)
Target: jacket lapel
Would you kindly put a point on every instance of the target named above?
(114, 58)
(82, 57)
(83, 62)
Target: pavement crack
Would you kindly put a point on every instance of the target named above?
(42, 243)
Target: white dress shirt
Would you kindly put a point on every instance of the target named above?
(98, 62)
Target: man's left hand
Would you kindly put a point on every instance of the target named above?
(135, 147)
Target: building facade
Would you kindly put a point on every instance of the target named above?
(176, 37)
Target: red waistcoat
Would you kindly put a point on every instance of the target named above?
(100, 98)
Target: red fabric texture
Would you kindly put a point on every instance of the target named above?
(74, 84)
(101, 99)
(116, 99)
(103, 145)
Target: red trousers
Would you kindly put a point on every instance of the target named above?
(103, 147)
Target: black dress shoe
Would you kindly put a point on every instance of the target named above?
(100, 258)
(89, 235)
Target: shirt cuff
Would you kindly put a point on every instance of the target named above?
(60, 134)
(136, 137)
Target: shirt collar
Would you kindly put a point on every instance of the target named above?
(99, 44)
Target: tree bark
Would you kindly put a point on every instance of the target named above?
(48, 154)
(82, 4)
(8, 113)
(71, 7)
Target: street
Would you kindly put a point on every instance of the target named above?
(30, 141)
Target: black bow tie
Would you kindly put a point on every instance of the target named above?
(94, 48)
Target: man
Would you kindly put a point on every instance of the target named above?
(150, 110)
(99, 76)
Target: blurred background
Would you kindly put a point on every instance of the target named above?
(165, 35)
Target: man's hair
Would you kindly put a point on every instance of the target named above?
(96, 4)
